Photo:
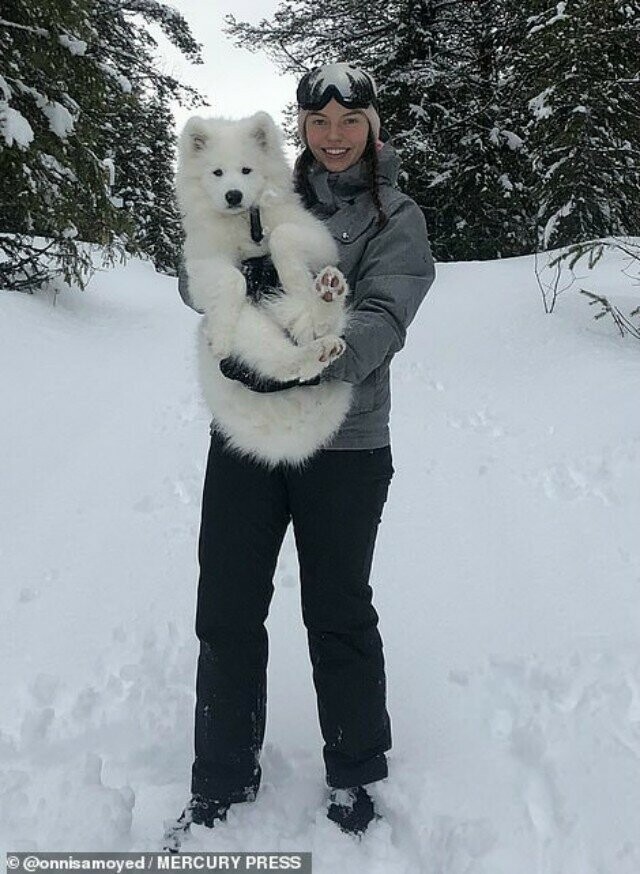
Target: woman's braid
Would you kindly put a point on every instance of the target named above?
(371, 162)
(301, 182)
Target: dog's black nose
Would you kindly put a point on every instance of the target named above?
(234, 197)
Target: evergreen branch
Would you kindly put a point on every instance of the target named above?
(39, 31)
(620, 320)
(172, 23)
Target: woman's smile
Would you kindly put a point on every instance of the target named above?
(335, 156)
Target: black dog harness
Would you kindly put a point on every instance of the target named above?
(257, 233)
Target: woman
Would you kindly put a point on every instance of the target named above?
(347, 174)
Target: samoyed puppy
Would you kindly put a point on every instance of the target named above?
(236, 199)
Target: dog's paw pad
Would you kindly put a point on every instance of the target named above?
(331, 348)
(330, 284)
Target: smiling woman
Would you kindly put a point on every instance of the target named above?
(337, 136)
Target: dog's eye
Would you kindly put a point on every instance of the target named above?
(246, 170)
(217, 172)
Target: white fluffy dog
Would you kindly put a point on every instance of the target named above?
(225, 170)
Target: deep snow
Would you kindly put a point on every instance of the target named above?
(507, 578)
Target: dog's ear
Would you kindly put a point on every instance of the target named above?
(263, 129)
(196, 134)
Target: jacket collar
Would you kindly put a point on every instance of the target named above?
(334, 190)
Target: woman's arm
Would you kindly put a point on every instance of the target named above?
(396, 271)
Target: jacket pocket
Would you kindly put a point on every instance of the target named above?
(364, 395)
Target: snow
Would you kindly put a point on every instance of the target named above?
(499, 135)
(439, 178)
(73, 44)
(550, 227)
(14, 127)
(109, 165)
(61, 122)
(553, 167)
(418, 111)
(559, 16)
(37, 31)
(123, 82)
(513, 140)
(539, 108)
(51, 163)
(506, 576)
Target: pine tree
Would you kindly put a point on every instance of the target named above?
(578, 74)
(86, 136)
(463, 154)
(163, 235)
(52, 182)
(139, 137)
(479, 181)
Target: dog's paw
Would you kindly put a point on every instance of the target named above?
(332, 347)
(319, 354)
(330, 284)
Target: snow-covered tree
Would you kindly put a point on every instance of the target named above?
(480, 186)
(161, 234)
(53, 184)
(446, 87)
(138, 132)
(86, 136)
(578, 75)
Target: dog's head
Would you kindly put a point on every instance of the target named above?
(235, 161)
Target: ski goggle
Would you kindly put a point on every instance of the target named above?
(350, 86)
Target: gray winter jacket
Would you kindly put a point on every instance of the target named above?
(389, 271)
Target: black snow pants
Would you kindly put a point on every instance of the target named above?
(335, 504)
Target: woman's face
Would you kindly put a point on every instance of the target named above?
(337, 136)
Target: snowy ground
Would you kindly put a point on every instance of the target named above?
(507, 578)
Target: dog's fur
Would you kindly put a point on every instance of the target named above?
(291, 335)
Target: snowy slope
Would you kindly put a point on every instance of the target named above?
(507, 578)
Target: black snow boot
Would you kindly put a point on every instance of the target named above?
(352, 809)
(199, 811)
